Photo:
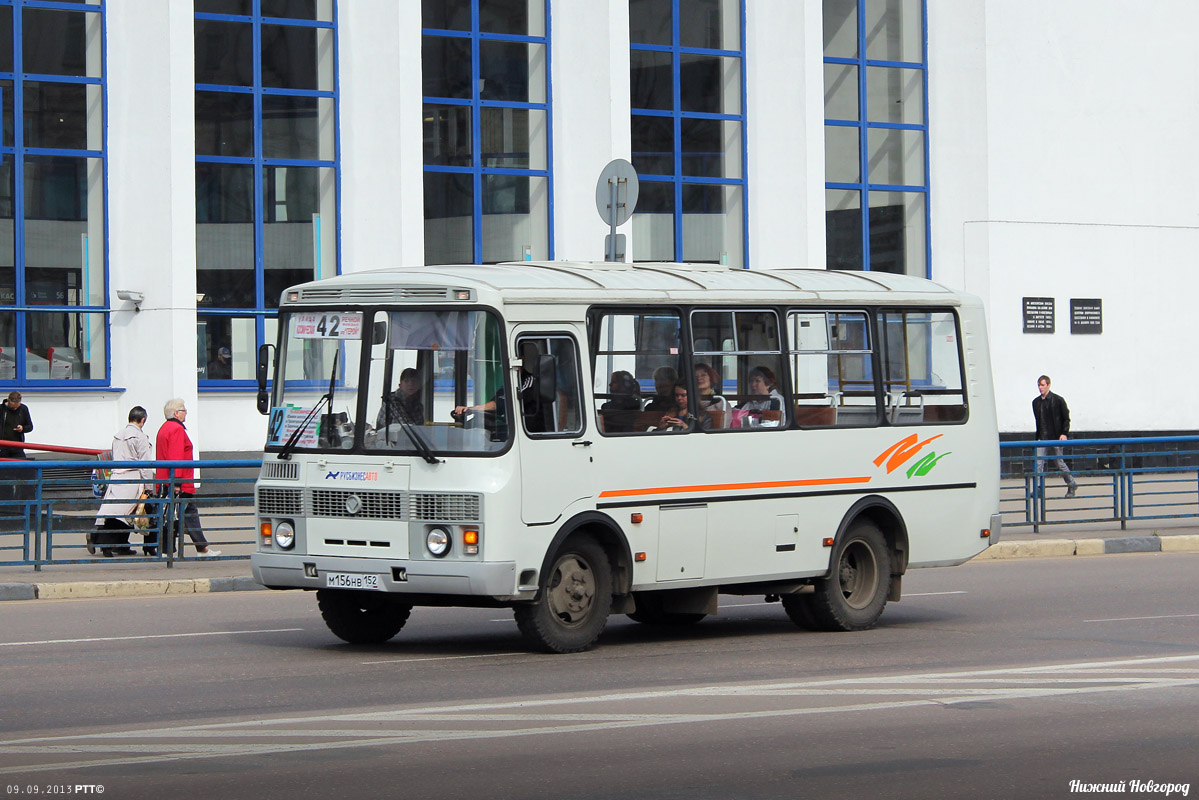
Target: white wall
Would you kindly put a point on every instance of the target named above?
(785, 133)
(1062, 167)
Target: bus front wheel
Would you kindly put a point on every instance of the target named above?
(362, 617)
(853, 596)
(572, 606)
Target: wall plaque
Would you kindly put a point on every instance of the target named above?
(1086, 315)
(1038, 315)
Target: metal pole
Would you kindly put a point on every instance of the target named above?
(613, 195)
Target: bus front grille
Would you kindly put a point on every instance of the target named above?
(280, 501)
(357, 505)
(436, 507)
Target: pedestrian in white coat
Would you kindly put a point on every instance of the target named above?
(125, 488)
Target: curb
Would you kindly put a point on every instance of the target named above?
(1055, 548)
(125, 588)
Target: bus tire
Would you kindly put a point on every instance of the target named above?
(853, 596)
(362, 617)
(649, 612)
(799, 609)
(572, 606)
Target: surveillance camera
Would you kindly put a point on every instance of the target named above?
(135, 297)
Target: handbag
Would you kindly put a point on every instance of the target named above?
(140, 518)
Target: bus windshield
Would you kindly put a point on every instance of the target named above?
(377, 380)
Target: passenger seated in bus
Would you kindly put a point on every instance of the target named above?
(766, 397)
(707, 380)
(404, 403)
(680, 417)
(619, 412)
(665, 377)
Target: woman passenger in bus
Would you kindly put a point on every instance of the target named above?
(707, 381)
(680, 417)
(766, 396)
(620, 413)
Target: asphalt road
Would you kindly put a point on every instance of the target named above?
(1001, 679)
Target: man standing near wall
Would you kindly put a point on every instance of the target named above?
(1052, 417)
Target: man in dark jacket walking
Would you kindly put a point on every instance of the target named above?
(1052, 417)
(15, 422)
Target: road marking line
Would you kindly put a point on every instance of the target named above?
(147, 636)
(931, 594)
(442, 658)
(1131, 619)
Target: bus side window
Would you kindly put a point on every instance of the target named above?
(637, 362)
(922, 367)
(832, 367)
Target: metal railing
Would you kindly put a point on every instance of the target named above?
(1118, 480)
(48, 509)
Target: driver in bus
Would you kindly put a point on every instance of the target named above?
(404, 403)
(529, 401)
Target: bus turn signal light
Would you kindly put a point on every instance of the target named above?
(264, 529)
(636, 518)
(828, 542)
(470, 537)
(639, 557)
(985, 533)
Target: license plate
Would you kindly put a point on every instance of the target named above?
(352, 580)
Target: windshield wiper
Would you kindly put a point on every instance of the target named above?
(285, 453)
(409, 428)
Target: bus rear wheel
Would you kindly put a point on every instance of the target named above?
(853, 596)
(362, 617)
(573, 604)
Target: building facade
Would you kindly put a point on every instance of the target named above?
(168, 166)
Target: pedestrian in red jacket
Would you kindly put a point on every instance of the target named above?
(173, 444)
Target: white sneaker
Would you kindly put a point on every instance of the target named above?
(209, 553)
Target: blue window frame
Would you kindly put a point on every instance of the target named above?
(688, 130)
(876, 135)
(267, 177)
(488, 188)
(53, 219)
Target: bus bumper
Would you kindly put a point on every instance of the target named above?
(299, 571)
(996, 529)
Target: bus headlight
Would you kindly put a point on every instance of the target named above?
(438, 542)
(285, 535)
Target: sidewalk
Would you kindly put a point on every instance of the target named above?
(102, 579)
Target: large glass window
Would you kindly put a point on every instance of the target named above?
(53, 277)
(266, 169)
(876, 136)
(688, 129)
(485, 73)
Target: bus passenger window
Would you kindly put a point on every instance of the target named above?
(832, 369)
(636, 357)
(922, 367)
(738, 358)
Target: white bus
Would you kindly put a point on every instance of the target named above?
(575, 440)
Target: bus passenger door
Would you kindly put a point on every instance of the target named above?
(555, 458)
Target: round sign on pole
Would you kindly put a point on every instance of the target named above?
(621, 174)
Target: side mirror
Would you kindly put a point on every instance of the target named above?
(379, 332)
(547, 379)
(261, 370)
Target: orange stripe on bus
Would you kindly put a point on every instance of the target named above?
(725, 487)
